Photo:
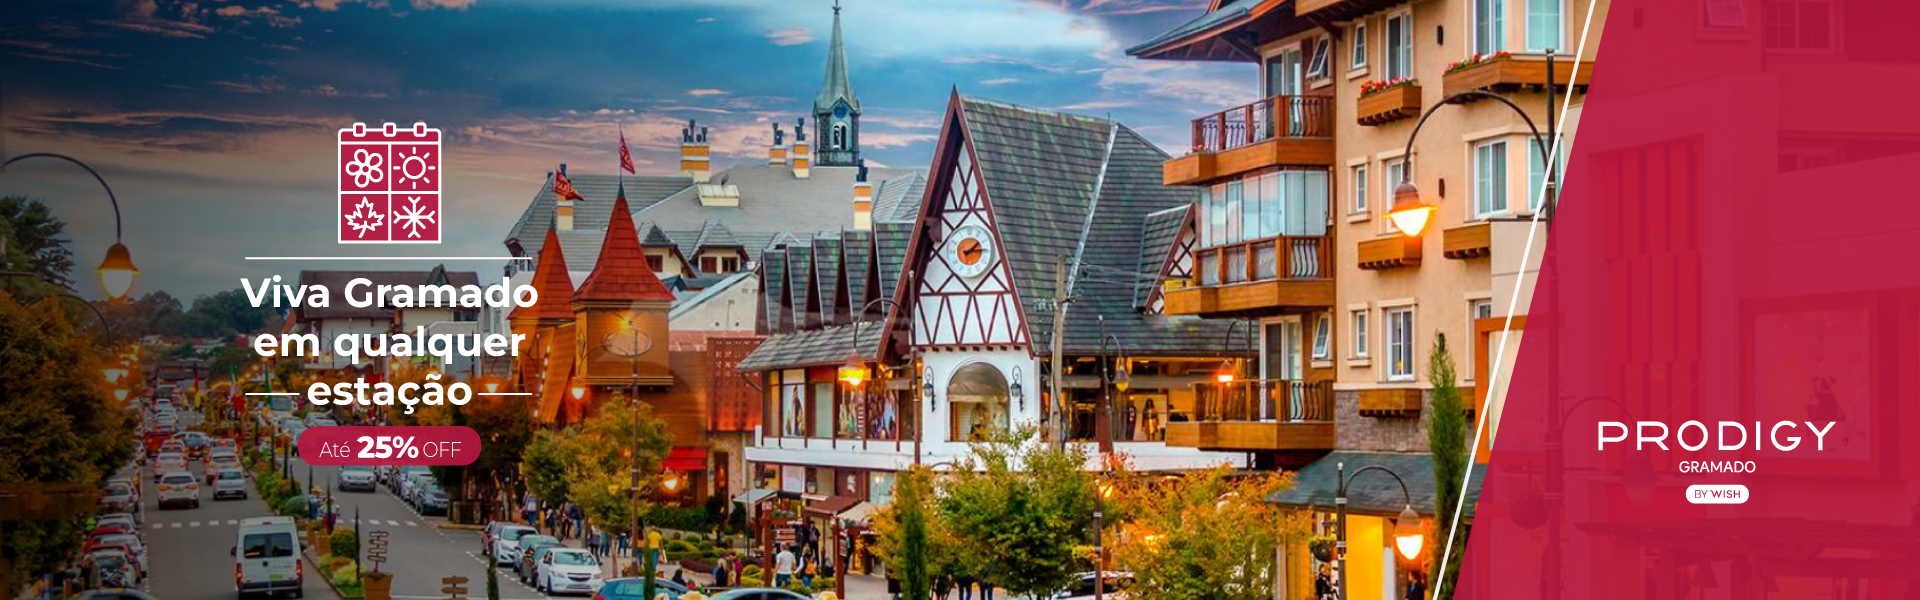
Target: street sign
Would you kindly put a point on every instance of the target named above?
(454, 587)
(377, 548)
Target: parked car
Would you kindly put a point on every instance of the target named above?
(120, 497)
(634, 588)
(131, 542)
(114, 594)
(111, 568)
(503, 542)
(433, 502)
(356, 478)
(756, 594)
(567, 570)
(523, 568)
(131, 522)
(399, 477)
(179, 487)
(229, 483)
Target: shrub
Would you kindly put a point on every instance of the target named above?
(679, 547)
(294, 506)
(752, 581)
(346, 543)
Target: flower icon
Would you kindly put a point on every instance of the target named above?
(365, 168)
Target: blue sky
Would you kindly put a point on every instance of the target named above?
(213, 119)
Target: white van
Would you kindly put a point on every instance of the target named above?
(266, 557)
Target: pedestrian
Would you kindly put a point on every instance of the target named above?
(680, 577)
(1416, 586)
(721, 573)
(782, 567)
(807, 572)
(1323, 583)
(965, 583)
(579, 518)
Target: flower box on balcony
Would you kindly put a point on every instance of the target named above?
(1385, 103)
(1390, 252)
(1501, 72)
(1468, 241)
(1390, 402)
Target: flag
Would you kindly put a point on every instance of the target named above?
(563, 188)
(626, 156)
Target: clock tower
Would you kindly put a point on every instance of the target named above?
(836, 112)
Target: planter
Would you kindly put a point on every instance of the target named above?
(1322, 548)
(377, 585)
(1511, 72)
(1389, 105)
(322, 543)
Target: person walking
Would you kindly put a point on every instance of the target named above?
(783, 564)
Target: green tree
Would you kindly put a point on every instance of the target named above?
(58, 423)
(544, 465)
(602, 454)
(1019, 508)
(1205, 535)
(228, 313)
(908, 536)
(1447, 439)
(37, 239)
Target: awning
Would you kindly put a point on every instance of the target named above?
(1318, 484)
(685, 459)
(831, 506)
(754, 496)
(859, 512)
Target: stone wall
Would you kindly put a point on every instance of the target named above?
(1379, 434)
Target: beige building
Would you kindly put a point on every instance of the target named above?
(1294, 234)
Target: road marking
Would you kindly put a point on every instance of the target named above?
(412, 524)
(195, 524)
(393, 523)
(233, 521)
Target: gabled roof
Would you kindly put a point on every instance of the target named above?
(715, 234)
(1230, 31)
(621, 273)
(828, 345)
(1158, 234)
(590, 212)
(551, 281)
(898, 200)
(1318, 485)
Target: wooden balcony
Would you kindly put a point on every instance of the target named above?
(1468, 241)
(1507, 73)
(1280, 130)
(1259, 416)
(1390, 403)
(1388, 105)
(1261, 277)
(1390, 252)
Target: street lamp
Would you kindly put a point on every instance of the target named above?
(116, 271)
(1409, 213)
(1102, 491)
(1107, 382)
(1407, 538)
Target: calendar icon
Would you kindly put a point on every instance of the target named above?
(389, 185)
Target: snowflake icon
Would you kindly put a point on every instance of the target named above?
(363, 219)
(413, 217)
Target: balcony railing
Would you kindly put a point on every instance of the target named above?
(1284, 257)
(1262, 120)
(1271, 400)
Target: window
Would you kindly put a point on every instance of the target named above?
(1489, 26)
(1359, 189)
(1400, 343)
(1724, 15)
(1284, 73)
(839, 136)
(266, 545)
(1489, 178)
(822, 404)
(1546, 22)
(1257, 207)
(1359, 328)
(657, 263)
(1399, 47)
(1320, 66)
(1322, 337)
(1477, 309)
(793, 403)
(1283, 351)
(1797, 25)
(1358, 51)
(1537, 171)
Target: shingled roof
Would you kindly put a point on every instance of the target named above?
(621, 272)
(1080, 188)
(1318, 485)
(551, 281)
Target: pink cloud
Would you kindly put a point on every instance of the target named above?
(789, 37)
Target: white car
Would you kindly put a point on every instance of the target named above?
(168, 462)
(229, 483)
(179, 487)
(266, 557)
(506, 543)
(568, 570)
(356, 478)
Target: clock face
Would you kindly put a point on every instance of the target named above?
(970, 251)
(628, 343)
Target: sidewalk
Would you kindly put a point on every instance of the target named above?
(859, 587)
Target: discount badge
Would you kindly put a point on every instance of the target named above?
(422, 445)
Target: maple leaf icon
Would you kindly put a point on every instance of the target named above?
(363, 220)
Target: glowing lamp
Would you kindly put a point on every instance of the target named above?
(1407, 537)
(1121, 380)
(672, 483)
(117, 272)
(1409, 214)
(493, 386)
(120, 394)
(853, 373)
(1226, 372)
(1106, 489)
(113, 375)
(579, 390)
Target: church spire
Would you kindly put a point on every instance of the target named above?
(836, 111)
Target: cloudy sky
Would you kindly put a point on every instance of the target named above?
(213, 119)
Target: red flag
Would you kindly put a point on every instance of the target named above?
(626, 156)
(563, 188)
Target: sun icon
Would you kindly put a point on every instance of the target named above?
(414, 168)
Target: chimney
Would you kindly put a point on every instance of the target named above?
(802, 157)
(562, 210)
(693, 152)
(777, 153)
(862, 199)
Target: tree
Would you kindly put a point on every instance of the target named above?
(58, 423)
(228, 313)
(1019, 508)
(544, 466)
(907, 535)
(38, 239)
(602, 454)
(1447, 440)
(1205, 535)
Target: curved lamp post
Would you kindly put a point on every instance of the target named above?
(1407, 538)
(855, 375)
(116, 271)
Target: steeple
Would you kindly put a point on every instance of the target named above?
(836, 111)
